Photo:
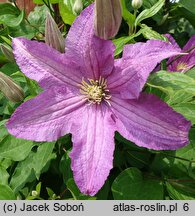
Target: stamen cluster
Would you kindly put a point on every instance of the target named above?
(95, 90)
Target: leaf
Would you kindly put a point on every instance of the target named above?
(187, 110)
(41, 2)
(120, 42)
(72, 187)
(149, 12)
(6, 193)
(31, 168)
(14, 148)
(4, 175)
(6, 8)
(127, 16)
(42, 157)
(189, 5)
(130, 185)
(37, 18)
(178, 86)
(12, 20)
(65, 167)
(66, 12)
(148, 33)
(181, 191)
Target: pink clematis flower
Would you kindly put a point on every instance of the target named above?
(91, 95)
(185, 62)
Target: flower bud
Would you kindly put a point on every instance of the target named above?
(10, 89)
(136, 4)
(78, 6)
(7, 52)
(53, 36)
(108, 17)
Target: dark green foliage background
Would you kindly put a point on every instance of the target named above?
(31, 170)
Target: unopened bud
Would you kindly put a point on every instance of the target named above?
(53, 36)
(10, 89)
(78, 6)
(108, 17)
(7, 52)
(136, 4)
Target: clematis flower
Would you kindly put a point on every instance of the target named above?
(185, 62)
(90, 95)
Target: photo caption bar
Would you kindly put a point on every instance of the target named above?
(92, 207)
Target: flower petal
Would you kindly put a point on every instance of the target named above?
(93, 147)
(133, 69)
(47, 116)
(172, 41)
(189, 44)
(95, 55)
(44, 64)
(150, 122)
(185, 62)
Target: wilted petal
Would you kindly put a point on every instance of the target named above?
(47, 66)
(93, 147)
(95, 56)
(47, 116)
(132, 70)
(150, 122)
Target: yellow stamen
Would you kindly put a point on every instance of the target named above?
(181, 66)
(95, 91)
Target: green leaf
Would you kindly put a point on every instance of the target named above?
(127, 16)
(4, 175)
(6, 193)
(148, 33)
(181, 191)
(14, 148)
(149, 12)
(31, 168)
(41, 2)
(12, 20)
(120, 42)
(66, 12)
(65, 167)
(6, 8)
(187, 110)
(179, 87)
(131, 185)
(72, 187)
(42, 157)
(189, 5)
(37, 18)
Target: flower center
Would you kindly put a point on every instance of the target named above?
(95, 90)
(181, 66)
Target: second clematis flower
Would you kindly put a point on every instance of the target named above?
(185, 62)
(91, 95)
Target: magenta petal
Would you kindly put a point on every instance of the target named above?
(96, 56)
(132, 70)
(189, 44)
(93, 147)
(151, 123)
(47, 66)
(172, 41)
(185, 62)
(47, 116)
